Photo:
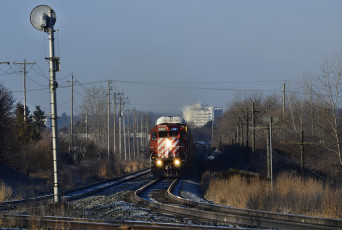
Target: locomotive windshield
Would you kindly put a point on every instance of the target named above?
(162, 134)
(173, 134)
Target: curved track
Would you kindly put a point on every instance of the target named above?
(79, 192)
(219, 213)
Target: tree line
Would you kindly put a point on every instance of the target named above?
(15, 129)
(312, 106)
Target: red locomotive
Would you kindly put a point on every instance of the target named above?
(171, 147)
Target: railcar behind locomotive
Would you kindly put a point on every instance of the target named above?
(171, 147)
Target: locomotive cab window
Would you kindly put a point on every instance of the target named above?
(154, 136)
(173, 134)
(162, 134)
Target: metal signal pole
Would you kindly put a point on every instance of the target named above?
(54, 125)
(24, 71)
(43, 18)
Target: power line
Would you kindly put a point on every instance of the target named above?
(68, 75)
(41, 73)
(34, 81)
(78, 93)
(168, 85)
(64, 103)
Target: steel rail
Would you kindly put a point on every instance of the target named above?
(36, 222)
(228, 214)
(77, 193)
(98, 187)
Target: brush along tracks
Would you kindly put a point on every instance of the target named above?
(79, 192)
(220, 213)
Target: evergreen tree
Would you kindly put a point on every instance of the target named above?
(39, 119)
(6, 130)
(25, 129)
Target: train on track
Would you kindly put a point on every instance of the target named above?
(171, 147)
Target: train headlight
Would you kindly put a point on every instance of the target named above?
(168, 143)
(159, 163)
(177, 162)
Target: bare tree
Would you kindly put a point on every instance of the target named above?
(233, 123)
(95, 103)
(329, 95)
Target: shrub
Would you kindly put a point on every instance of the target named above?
(5, 192)
(289, 194)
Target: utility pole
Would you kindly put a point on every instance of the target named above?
(238, 130)
(24, 71)
(134, 133)
(284, 102)
(147, 131)
(120, 121)
(121, 124)
(302, 153)
(247, 128)
(269, 128)
(212, 128)
(137, 132)
(271, 152)
(124, 131)
(268, 154)
(114, 132)
(108, 118)
(72, 114)
(301, 144)
(86, 121)
(253, 130)
(141, 132)
(129, 135)
(241, 132)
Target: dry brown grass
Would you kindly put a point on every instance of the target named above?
(289, 195)
(132, 166)
(92, 171)
(5, 192)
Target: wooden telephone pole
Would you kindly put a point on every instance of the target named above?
(24, 71)
(301, 144)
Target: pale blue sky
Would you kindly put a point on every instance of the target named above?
(195, 43)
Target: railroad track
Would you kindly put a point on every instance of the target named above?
(51, 222)
(220, 213)
(79, 192)
(35, 222)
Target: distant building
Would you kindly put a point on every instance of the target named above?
(199, 115)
